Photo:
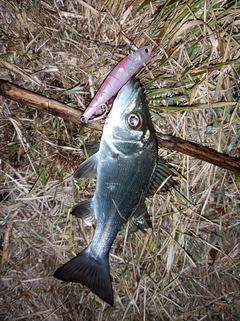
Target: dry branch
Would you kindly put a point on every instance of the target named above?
(201, 152)
(39, 102)
(56, 108)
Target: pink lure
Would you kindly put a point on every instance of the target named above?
(116, 79)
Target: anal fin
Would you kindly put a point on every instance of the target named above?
(85, 211)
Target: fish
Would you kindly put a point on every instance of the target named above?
(124, 70)
(127, 170)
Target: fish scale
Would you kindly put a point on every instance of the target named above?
(127, 170)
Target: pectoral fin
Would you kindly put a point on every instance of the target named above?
(88, 168)
(92, 147)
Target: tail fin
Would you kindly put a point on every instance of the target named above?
(89, 271)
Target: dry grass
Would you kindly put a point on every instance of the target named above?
(188, 267)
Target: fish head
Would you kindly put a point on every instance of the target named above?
(129, 125)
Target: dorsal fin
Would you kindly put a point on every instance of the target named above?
(162, 176)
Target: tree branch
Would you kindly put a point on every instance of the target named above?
(198, 151)
(47, 105)
(56, 108)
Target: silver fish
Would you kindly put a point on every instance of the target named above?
(127, 169)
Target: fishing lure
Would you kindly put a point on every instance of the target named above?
(116, 79)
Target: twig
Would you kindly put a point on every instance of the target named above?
(73, 115)
(47, 105)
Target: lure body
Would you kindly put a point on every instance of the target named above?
(116, 79)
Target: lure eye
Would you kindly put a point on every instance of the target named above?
(134, 121)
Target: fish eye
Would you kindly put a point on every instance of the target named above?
(134, 121)
(146, 50)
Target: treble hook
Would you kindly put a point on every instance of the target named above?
(104, 115)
